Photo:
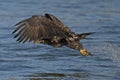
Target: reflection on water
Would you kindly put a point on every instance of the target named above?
(41, 62)
(55, 76)
(51, 76)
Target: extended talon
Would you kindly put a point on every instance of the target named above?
(85, 52)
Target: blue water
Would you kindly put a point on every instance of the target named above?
(41, 62)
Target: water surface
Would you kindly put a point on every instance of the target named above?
(34, 62)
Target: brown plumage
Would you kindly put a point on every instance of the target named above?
(48, 30)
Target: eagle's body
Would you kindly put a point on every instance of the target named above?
(48, 30)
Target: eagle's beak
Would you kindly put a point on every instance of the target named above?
(85, 52)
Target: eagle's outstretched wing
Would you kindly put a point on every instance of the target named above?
(39, 28)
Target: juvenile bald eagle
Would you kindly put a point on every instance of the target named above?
(49, 30)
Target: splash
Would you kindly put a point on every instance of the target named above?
(110, 50)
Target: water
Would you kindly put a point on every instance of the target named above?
(40, 62)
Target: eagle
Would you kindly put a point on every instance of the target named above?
(48, 29)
